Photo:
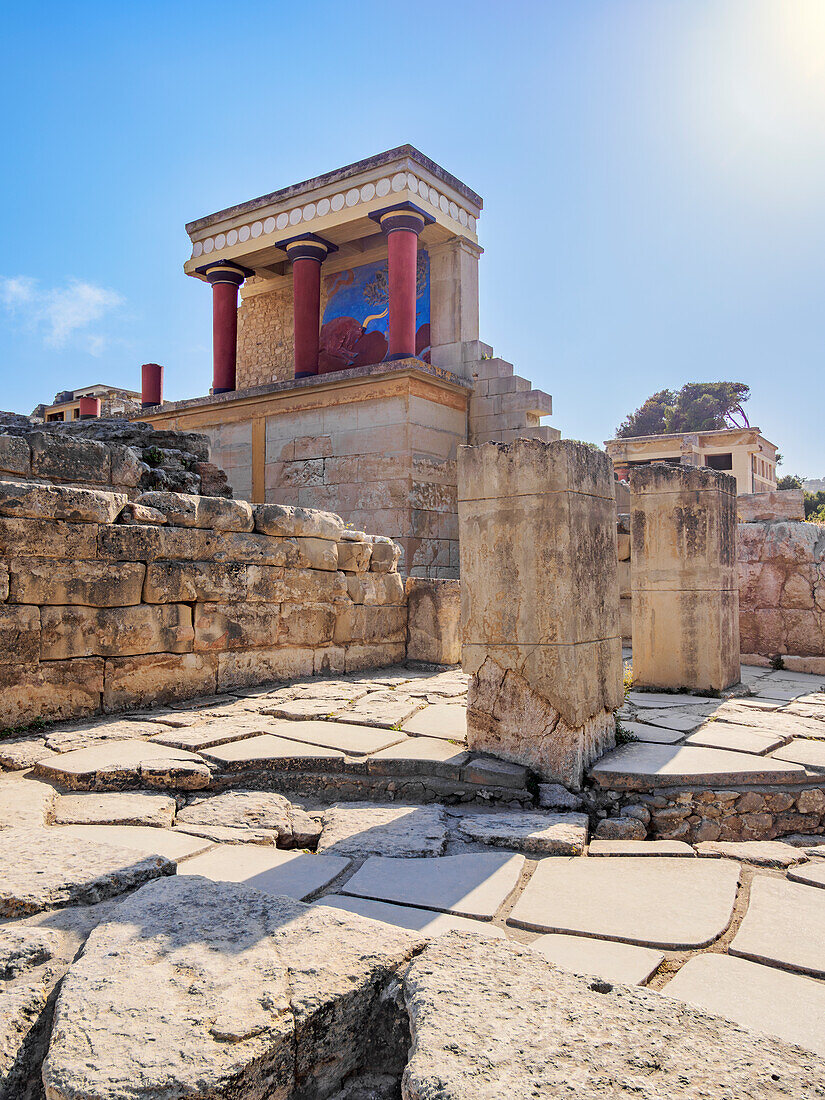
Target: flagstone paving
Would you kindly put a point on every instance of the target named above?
(632, 767)
(143, 839)
(424, 921)
(812, 874)
(443, 720)
(365, 829)
(760, 853)
(641, 731)
(613, 962)
(803, 750)
(723, 735)
(532, 833)
(116, 808)
(639, 848)
(784, 926)
(292, 874)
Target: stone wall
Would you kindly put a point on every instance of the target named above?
(776, 505)
(782, 592)
(106, 604)
(266, 342)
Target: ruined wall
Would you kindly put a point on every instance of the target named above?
(266, 344)
(782, 591)
(108, 605)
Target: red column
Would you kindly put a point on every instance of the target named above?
(151, 385)
(89, 408)
(307, 253)
(224, 278)
(402, 224)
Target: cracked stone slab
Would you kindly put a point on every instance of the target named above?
(472, 885)
(420, 756)
(613, 962)
(759, 998)
(423, 921)
(639, 766)
(115, 762)
(380, 708)
(533, 833)
(293, 874)
(641, 731)
(675, 720)
(145, 840)
(43, 869)
(365, 829)
(805, 751)
(776, 723)
(243, 995)
(812, 874)
(308, 708)
(96, 731)
(352, 739)
(117, 808)
(671, 903)
(444, 720)
(527, 1030)
(725, 735)
(25, 802)
(259, 811)
(784, 926)
(639, 848)
(270, 753)
(203, 735)
(760, 853)
(655, 700)
(20, 753)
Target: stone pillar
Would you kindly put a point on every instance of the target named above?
(539, 603)
(454, 303)
(89, 408)
(684, 578)
(402, 224)
(433, 621)
(307, 252)
(151, 385)
(224, 278)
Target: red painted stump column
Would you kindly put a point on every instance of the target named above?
(224, 278)
(89, 408)
(307, 253)
(402, 224)
(151, 385)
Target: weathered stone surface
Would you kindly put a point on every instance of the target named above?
(285, 1003)
(142, 514)
(242, 668)
(771, 506)
(262, 811)
(25, 802)
(468, 987)
(805, 751)
(115, 631)
(292, 874)
(532, 833)
(132, 808)
(553, 796)
(495, 773)
(375, 588)
(633, 767)
(185, 510)
(723, 735)
(31, 501)
(620, 828)
(67, 459)
(759, 998)
(384, 709)
(157, 678)
(784, 926)
(270, 753)
(219, 582)
(639, 848)
(761, 853)
(283, 520)
(444, 720)
(812, 874)
(433, 621)
(613, 962)
(385, 554)
(147, 840)
(23, 752)
(352, 739)
(51, 538)
(473, 885)
(366, 829)
(41, 869)
(354, 557)
(221, 626)
(92, 583)
(423, 921)
(420, 756)
(664, 902)
(19, 635)
(50, 690)
(15, 456)
(111, 764)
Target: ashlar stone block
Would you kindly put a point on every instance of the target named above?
(539, 603)
(115, 631)
(433, 621)
(51, 581)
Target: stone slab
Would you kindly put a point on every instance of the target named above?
(777, 723)
(269, 753)
(25, 802)
(811, 874)
(45, 869)
(805, 751)
(760, 853)
(420, 756)
(639, 848)
(423, 921)
(659, 735)
(759, 998)
(784, 926)
(293, 874)
(606, 959)
(723, 735)
(366, 829)
(473, 885)
(444, 720)
(680, 721)
(138, 838)
(116, 808)
(203, 735)
(657, 699)
(497, 1020)
(266, 812)
(19, 753)
(381, 708)
(533, 833)
(664, 902)
(124, 757)
(352, 739)
(639, 766)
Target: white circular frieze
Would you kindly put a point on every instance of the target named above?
(232, 237)
(367, 192)
(323, 208)
(462, 216)
(197, 248)
(423, 189)
(269, 225)
(454, 211)
(434, 196)
(309, 211)
(220, 241)
(471, 222)
(243, 233)
(399, 181)
(443, 204)
(382, 188)
(257, 229)
(337, 202)
(295, 216)
(208, 245)
(353, 195)
(412, 181)
(282, 221)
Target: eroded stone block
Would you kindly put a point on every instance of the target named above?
(90, 583)
(116, 632)
(433, 621)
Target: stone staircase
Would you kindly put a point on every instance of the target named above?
(504, 406)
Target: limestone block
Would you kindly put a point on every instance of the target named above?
(779, 504)
(126, 466)
(282, 520)
(362, 623)
(685, 640)
(19, 635)
(92, 583)
(186, 510)
(306, 624)
(125, 543)
(385, 555)
(354, 557)
(141, 681)
(141, 514)
(433, 621)
(626, 618)
(172, 582)
(4, 583)
(221, 626)
(623, 546)
(376, 588)
(243, 668)
(624, 579)
(50, 539)
(317, 553)
(51, 689)
(361, 656)
(63, 458)
(15, 456)
(115, 631)
(25, 498)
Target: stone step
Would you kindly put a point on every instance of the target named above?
(491, 368)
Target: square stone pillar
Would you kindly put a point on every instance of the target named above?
(539, 603)
(453, 303)
(684, 579)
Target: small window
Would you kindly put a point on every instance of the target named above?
(719, 462)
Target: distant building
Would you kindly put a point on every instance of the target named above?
(89, 402)
(743, 452)
(814, 485)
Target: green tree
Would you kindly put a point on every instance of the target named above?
(696, 407)
(790, 481)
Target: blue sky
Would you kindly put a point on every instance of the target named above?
(653, 173)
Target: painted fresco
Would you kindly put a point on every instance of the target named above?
(355, 322)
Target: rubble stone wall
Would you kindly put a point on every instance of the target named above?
(107, 604)
(266, 342)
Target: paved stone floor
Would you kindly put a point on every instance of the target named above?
(737, 929)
